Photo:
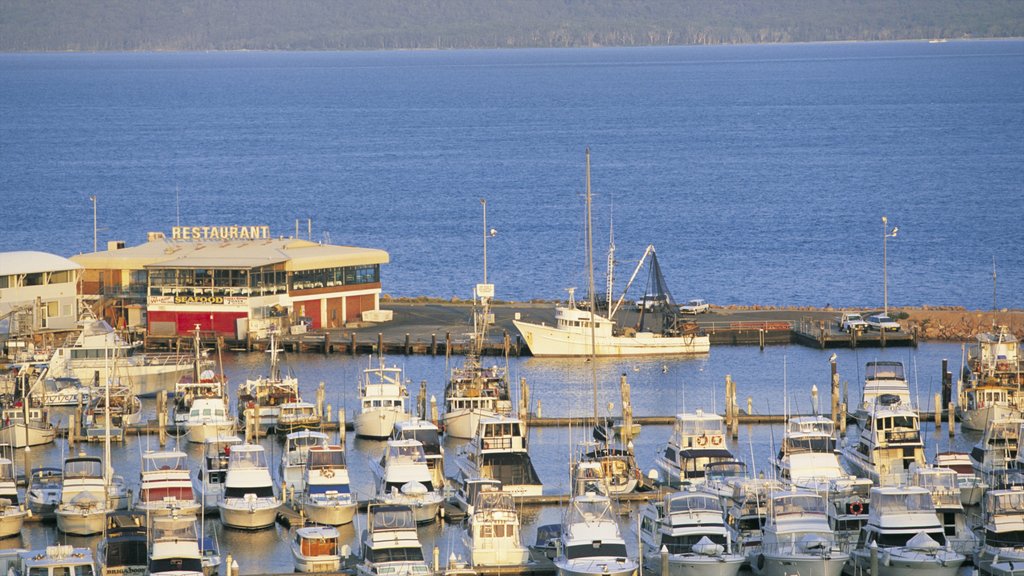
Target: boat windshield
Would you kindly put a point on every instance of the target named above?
(325, 458)
(683, 543)
(410, 554)
(6, 469)
(900, 502)
(1005, 502)
(177, 565)
(936, 478)
(694, 425)
(723, 470)
(692, 502)
(589, 509)
(392, 518)
(597, 549)
(820, 444)
(406, 451)
(426, 436)
(174, 528)
(306, 440)
(164, 461)
(798, 504)
(493, 500)
(247, 457)
(83, 468)
(884, 371)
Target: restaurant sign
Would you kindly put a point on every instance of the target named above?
(220, 232)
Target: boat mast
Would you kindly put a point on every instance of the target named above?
(994, 322)
(590, 275)
(610, 273)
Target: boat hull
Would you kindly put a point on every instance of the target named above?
(596, 567)
(80, 524)
(463, 423)
(148, 379)
(11, 521)
(241, 514)
(15, 434)
(330, 514)
(551, 341)
(378, 424)
(977, 418)
(913, 564)
(316, 563)
(1002, 562)
(161, 509)
(200, 432)
(698, 564)
(802, 565)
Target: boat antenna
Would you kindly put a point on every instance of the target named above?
(590, 276)
(993, 292)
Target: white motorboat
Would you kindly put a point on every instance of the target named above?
(316, 549)
(214, 467)
(208, 418)
(295, 416)
(293, 460)
(402, 477)
(904, 528)
(198, 384)
(972, 488)
(882, 378)
(165, 485)
(998, 448)
(63, 391)
(690, 526)
(62, 560)
(263, 396)
(746, 511)
(382, 397)
(12, 510)
(174, 547)
(797, 538)
(83, 499)
(26, 424)
(942, 484)
(1002, 549)
(248, 500)
(591, 543)
(391, 546)
(466, 490)
(43, 494)
(697, 439)
(427, 433)
(124, 550)
(328, 497)
(889, 443)
(499, 450)
(618, 468)
(721, 478)
(493, 533)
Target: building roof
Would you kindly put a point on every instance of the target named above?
(31, 262)
(295, 254)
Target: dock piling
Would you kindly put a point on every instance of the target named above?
(842, 418)
(380, 343)
(951, 417)
(938, 411)
(408, 347)
(352, 344)
(433, 344)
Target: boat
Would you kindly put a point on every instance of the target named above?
(165, 485)
(263, 396)
(492, 535)
(124, 550)
(721, 478)
(746, 512)
(590, 542)
(174, 548)
(466, 490)
(690, 526)
(295, 416)
(697, 439)
(26, 424)
(208, 418)
(214, 467)
(125, 410)
(889, 443)
(427, 433)
(327, 498)
(43, 493)
(998, 448)
(905, 531)
(619, 471)
(499, 450)
(63, 391)
(88, 357)
(293, 460)
(942, 484)
(797, 538)
(199, 383)
(402, 477)
(991, 380)
(316, 549)
(60, 560)
(248, 500)
(972, 488)
(12, 510)
(390, 544)
(382, 397)
(83, 498)
(1002, 548)
(883, 380)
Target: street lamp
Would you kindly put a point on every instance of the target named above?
(886, 234)
(93, 198)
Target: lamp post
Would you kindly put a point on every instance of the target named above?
(483, 201)
(93, 198)
(886, 234)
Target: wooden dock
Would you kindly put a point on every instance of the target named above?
(822, 334)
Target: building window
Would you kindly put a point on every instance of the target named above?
(5, 282)
(61, 277)
(34, 279)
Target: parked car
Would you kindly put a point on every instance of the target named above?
(851, 322)
(695, 306)
(882, 322)
(651, 302)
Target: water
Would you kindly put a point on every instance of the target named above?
(760, 173)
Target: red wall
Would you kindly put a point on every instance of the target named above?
(311, 308)
(219, 322)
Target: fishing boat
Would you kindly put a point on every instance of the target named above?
(327, 498)
(427, 433)
(797, 538)
(125, 409)
(690, 526)
(214, 467)
(63, 391)
(402, 477)
(991, 380)
(174, 547)
(499, 450)
(61, 560)
(124, 550)
(196, 384)
(165, 485)
(295, 416)
(293, 460)
(972, 487)
(889, 443)
(43, 493)
(382, 398)
(697, 439)
(83, 499)
(26, 423)
(390, 543)
(316, 549)
(492, 536)
(1002, 549)
(882, 380)
(591, 543)
(12, 511)
(998, 448)
(618, 468)
(906, 532)
(248, 501)
(263, 396)
(208, 418)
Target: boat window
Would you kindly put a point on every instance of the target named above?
(325, 488)
(697, 502)
(1014, 539)
(683, 544)
(259, 491)
(175, 565)
(596, 549)
(412, 554)
(900, 539)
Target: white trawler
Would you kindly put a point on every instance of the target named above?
(382, 399)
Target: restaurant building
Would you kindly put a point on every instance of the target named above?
(232, 280)
(38, 291)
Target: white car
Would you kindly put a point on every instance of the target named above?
(651, 302)
(695, 306)
(851, 322)
(882, 322)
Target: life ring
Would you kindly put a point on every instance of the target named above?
(702, 441)
(716, 440)
(856, 508)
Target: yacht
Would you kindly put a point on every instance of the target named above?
(83, 498)
(942, 484)
(43, 494)
(402, 477)
(746, 511)
(390, 543)
(991, 381)
(972, 487)
(882, 378)
(474, 391)
(26, 424)
(690, 525)
(61, 560)
(214, 467)
(248, 500)
(124, 550)
(382, 396)
(316, 549)
(466, 490)
(208, 418)
(293, 459)
(1003, 541)
(591, 543)
(493, 533)
(426, 433)
(905, 529)
(165, 485)
(721, 478)
(12, 511)
(498, 451)
(174, 547)
(997, 449)
(697, 439)
(617, 466)
(328, 497)
(295, 416)
(198, 384)
(889, 443)
(797, 538)
(263, 396)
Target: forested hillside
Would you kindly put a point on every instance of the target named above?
(61, 25)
